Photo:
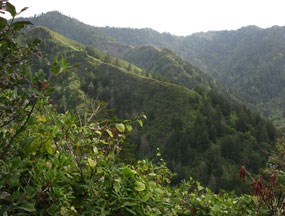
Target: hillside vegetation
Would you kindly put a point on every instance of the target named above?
(199, 132)
(64, 152)
(248, 61)
(164, 64)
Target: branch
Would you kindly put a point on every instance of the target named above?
(23, 126)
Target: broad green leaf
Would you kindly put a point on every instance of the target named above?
(98, 132)
(145, 197)
(95, 150)
(139, 186)
(129, 128)
(63, 66)
(159, 191)
(144, 116)
(140, 122)
(92, 163)
(127, 172)
(11, 9)
(200, 188)
(110, 133)
(104, 141)
(120, 127)
(99, 170)
(3, 23)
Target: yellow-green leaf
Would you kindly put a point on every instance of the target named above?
(139, 186)
(92, 163)
(110, 133)
(145, 197)
(100, 170)
(200, 188)
(129, 128)
(41, 118)
(95, 150)
(120, 127)
(98, 132)
(49, 147)
(159, 191)
(128, 172)
(140, 122)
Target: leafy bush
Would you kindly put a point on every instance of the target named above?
(59, 164)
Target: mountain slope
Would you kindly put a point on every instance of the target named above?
(200, 133)
(249, 61)
(164, 64)
(73, 29)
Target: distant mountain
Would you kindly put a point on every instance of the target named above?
(164, 64)
(105, 39)
(249, 62)
(199, 133)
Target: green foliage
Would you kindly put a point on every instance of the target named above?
(55, 163)
(249, 61)
(166, 65)
(186, 124)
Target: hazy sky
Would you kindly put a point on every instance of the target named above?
(179, 17)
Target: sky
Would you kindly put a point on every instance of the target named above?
(178, 17)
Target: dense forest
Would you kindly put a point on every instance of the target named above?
(248, 62)
(192, 127)
(84, 132)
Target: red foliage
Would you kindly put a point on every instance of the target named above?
(272, 182)
(242, 173)
(51, 101)
(258, 188)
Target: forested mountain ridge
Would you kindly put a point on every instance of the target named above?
(61, 149)
(76, 30)
(248, 61)
(200, 133)
(101, 38)
(164, 64)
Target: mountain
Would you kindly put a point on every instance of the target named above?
(249, 62)
(160, 63)
(199, 132)
(164, 64)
